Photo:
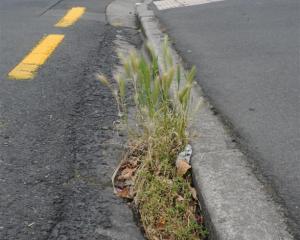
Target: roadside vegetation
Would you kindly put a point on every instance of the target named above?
(151, 173)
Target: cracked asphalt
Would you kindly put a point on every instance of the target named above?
(58, 147)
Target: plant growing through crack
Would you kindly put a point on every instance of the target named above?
(166, 201)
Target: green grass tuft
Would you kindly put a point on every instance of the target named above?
(164, 199)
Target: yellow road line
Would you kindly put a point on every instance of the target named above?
(71, 17)
(27, 68)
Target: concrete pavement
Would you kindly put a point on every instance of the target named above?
(247, 56)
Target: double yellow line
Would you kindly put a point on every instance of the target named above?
(28, 67)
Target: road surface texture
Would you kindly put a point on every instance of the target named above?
(247, 57)
(57, 144)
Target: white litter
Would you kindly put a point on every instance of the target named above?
(185, 154)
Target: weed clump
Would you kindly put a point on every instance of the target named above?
(148, 175)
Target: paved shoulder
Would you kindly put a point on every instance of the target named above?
(57, 144)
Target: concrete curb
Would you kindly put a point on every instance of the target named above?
(120, 13)
(235, 203)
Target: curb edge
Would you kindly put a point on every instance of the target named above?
(235, 203)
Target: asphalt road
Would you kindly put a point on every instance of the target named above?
(247, 56)
(57, 146)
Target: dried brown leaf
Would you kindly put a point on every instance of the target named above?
(182, 167)
(126, 173)
(194, 193)
(161, 223)
(124, 193)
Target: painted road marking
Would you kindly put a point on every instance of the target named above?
(71, 17)
(27, 68)
(167, 4)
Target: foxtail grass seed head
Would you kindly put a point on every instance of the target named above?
(122, 85)
(190, 76)
(178, 76)
(164, 200)
(102, 79)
